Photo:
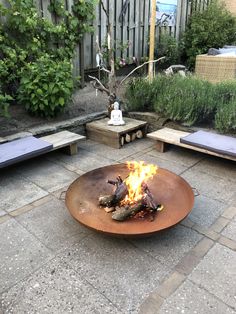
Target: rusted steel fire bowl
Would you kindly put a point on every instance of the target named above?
(166, 187)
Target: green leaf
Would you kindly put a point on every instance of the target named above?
(61, 101)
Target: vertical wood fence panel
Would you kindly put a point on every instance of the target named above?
(130, 26)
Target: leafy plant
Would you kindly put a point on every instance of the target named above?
(185, 99)
(225, 119)
(212, 27)
(4, 104)
(25, 38)
(188, 100)
(168, 47)
(46, 86)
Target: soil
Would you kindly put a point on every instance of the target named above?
(84, 101)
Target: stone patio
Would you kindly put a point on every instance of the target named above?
(49, 263)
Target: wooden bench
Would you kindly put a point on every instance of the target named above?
(166, 136)
(29, 147)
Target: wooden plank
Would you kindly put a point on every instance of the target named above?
(131, 30)
(130, 124)
(46, 14)
(172, 136)
(62, 139)
(125, 33)
(22, 149)
(141, 31)
(118, 30)
(103, 23)
(69, 5)
(87, 51)
(137, 30)
(95, 37)
(146, 20)
(178, 18)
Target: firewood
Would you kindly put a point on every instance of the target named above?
(109, 209)
(133, 137)
(122, 141)
(106, 200)
(139, 134)
(125, 212)
(127, 138)
(148, 198)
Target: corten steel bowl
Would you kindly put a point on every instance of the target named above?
(166, 187)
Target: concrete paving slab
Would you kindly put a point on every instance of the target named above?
(117, 154)
(191, 299)
(230, 230)
(17, 191)
(222, 168)
(46, 174)
(2, 212)
(52, 224)
(169, 246)
(162, 163)
(214, 187)
(56, 288)
(117, 269)
(179, 155)
(206, 210)
(216, 273)
(85, 160)
(20, 254)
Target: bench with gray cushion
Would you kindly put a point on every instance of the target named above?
(29, 147)
(205, 142)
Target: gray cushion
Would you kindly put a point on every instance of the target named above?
(22, 149)
(221, 144)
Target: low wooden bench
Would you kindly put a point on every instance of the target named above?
(166, 136)
(29, 147)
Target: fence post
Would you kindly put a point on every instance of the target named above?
(152, 39)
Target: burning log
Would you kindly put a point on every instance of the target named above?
(118, 195)
(131, 196)
(125, 212)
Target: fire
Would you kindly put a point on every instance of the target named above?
(139, 174)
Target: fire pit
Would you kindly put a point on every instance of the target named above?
(168, 189)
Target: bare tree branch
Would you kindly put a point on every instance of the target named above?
(104, 69)
(138, 67)
(104, 9)
(102, 87)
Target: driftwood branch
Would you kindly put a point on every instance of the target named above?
(138, 67)
(104, 9)
(102, 87)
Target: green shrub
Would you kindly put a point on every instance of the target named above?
(168, 47)
(4, 104)
(224, 92)
(141, 94)
(46, 86)
(212, 27)
(185, 99)
(225, 119)
(188, 100)
(26, 37)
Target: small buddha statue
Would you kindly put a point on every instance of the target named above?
(116, 116)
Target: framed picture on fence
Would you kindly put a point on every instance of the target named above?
(166, 12)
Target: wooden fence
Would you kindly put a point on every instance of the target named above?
(131, 28)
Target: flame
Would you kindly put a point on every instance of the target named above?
(139, 174)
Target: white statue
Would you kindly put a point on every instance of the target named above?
(116, 116)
